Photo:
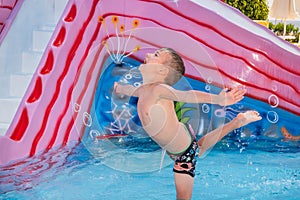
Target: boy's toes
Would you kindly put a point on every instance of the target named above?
(252, 116)
(248, 117)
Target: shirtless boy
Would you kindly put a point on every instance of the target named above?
(156, 111)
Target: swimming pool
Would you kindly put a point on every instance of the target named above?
(73, 173)
(250, 163)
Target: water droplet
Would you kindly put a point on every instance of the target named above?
(205, 108)
(209, 80)
(128, 76)
(137, 84)
(94, 133)
(207, 87)
(272, 117)
(87, 119)
(76, 107)
(220, 113)
(273, 100)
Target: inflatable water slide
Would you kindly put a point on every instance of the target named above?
(96, 43)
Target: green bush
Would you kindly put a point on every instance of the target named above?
(290, 30)
(254, 9)
(258, 10)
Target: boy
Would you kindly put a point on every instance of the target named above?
(156, 111)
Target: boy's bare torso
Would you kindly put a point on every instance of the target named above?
(159, 120)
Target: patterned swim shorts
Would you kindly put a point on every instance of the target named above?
(186, 162)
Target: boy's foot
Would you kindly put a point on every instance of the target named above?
(211, 138)
(247, 117)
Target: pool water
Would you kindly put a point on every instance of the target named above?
(72, 172)
(250, 163)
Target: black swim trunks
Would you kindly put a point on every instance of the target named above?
(186, 162)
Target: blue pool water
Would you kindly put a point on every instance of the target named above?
(73, 173)
(253, 162)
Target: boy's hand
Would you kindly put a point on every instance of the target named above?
(231, 97)
(118, 90)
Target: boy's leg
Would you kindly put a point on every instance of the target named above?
(211, 138)
(184, 182)
(184, 171)
(184, 186)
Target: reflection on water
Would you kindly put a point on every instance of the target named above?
(26, 174)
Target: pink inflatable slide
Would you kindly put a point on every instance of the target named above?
(219, 45)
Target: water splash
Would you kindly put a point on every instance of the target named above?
(120, 52)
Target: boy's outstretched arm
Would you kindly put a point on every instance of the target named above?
(126, 89)
(224, 98)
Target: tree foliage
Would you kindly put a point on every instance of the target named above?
(254, 9)
(291, 29)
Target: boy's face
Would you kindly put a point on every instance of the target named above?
(158, 57)
(154, 62)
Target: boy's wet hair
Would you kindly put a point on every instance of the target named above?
(175, 63)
